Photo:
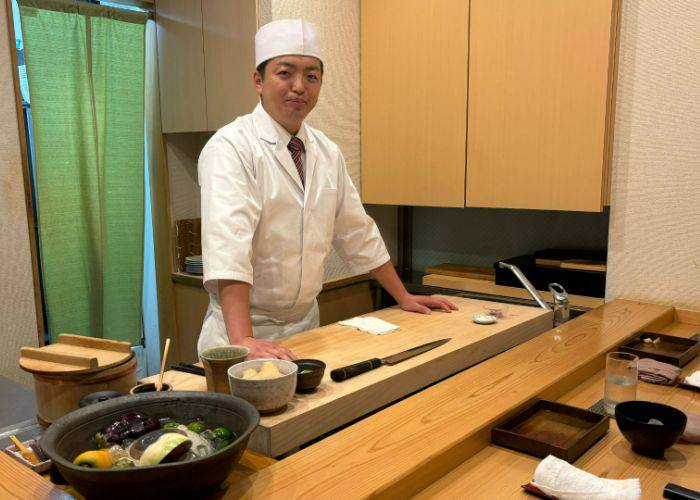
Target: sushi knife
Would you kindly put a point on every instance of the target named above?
(346, 372)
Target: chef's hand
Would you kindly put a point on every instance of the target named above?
(424, 303)
(260, 348)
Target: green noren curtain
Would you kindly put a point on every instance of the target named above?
(85, 67)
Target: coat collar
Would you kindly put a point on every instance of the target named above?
(270, 131)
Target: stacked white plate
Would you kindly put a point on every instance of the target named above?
(193, 264)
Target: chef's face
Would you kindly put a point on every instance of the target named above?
(289, 88)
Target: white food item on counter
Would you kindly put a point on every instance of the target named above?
(484, 319)
(370, 324)
(693, 379)
(562, 480)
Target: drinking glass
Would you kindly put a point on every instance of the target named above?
(620, 379)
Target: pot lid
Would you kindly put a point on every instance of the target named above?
(98, 397)
(75, 354)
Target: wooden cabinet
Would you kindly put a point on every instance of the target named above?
(181, 65)
(532, 126)
(205, 62)
(414, 100)
(539, 109)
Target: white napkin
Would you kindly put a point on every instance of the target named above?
(693, 379)
(559, 479)
(370, 324)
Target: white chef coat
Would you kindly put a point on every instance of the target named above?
(260, 226)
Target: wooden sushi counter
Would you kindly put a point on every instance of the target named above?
(436, 442)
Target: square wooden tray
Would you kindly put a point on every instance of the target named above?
(551, 428)
(676, 351)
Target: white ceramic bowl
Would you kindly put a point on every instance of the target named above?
(267, 395)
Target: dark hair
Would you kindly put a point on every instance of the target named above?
(261, 68)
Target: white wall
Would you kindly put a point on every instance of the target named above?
(17, 311)
(654, 240)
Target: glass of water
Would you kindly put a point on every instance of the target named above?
(620, 379)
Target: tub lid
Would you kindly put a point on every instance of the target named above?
(75, 354)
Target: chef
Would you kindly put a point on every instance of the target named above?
(276, 195)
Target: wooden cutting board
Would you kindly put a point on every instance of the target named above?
(462, 271)
(75, 354)
(333, 404)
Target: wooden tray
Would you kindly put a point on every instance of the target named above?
(550, 428)
(462, 271)
(676, 351)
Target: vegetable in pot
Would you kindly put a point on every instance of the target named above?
(167, 448)
(94, 459)
(129, 426)
(221, 433)
(196, 426)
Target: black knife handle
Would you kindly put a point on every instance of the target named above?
(679, 492)
(346, 372)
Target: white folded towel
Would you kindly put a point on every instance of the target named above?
(369, 324)
(559, 479)
(693, 379)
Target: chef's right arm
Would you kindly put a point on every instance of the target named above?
(234, 297)
(231, 206)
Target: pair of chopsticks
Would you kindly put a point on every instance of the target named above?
(26, 453)
(188, 368)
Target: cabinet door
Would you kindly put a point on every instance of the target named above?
(181, 65)
(414, 98)
(539, 82)
(229, 59)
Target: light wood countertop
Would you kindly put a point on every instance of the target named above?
(333, 404)
(611, 457)
(407, 447)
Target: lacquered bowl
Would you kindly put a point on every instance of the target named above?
(649, 439)
(72, 434)
(310, 374)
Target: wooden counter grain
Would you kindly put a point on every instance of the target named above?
(19, 482)
(410, 445)
(611, 457)
(308, 416)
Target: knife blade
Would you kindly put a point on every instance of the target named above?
(346, 372)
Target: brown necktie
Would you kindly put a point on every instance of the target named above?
(296, 148)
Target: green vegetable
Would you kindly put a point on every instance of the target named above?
(196, 426)
(222, 433)
(171, 425)
(222, 443)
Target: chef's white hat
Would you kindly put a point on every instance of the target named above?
(287, 37)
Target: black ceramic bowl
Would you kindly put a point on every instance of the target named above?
(309, 374)
(72, 434)
(649, 439)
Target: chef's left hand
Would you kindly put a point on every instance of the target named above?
(424, 303)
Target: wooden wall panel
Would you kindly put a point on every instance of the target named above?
(414, 97)
(229, 48)
(181, 65)
(538, 103)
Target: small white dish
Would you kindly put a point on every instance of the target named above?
(484, 319)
